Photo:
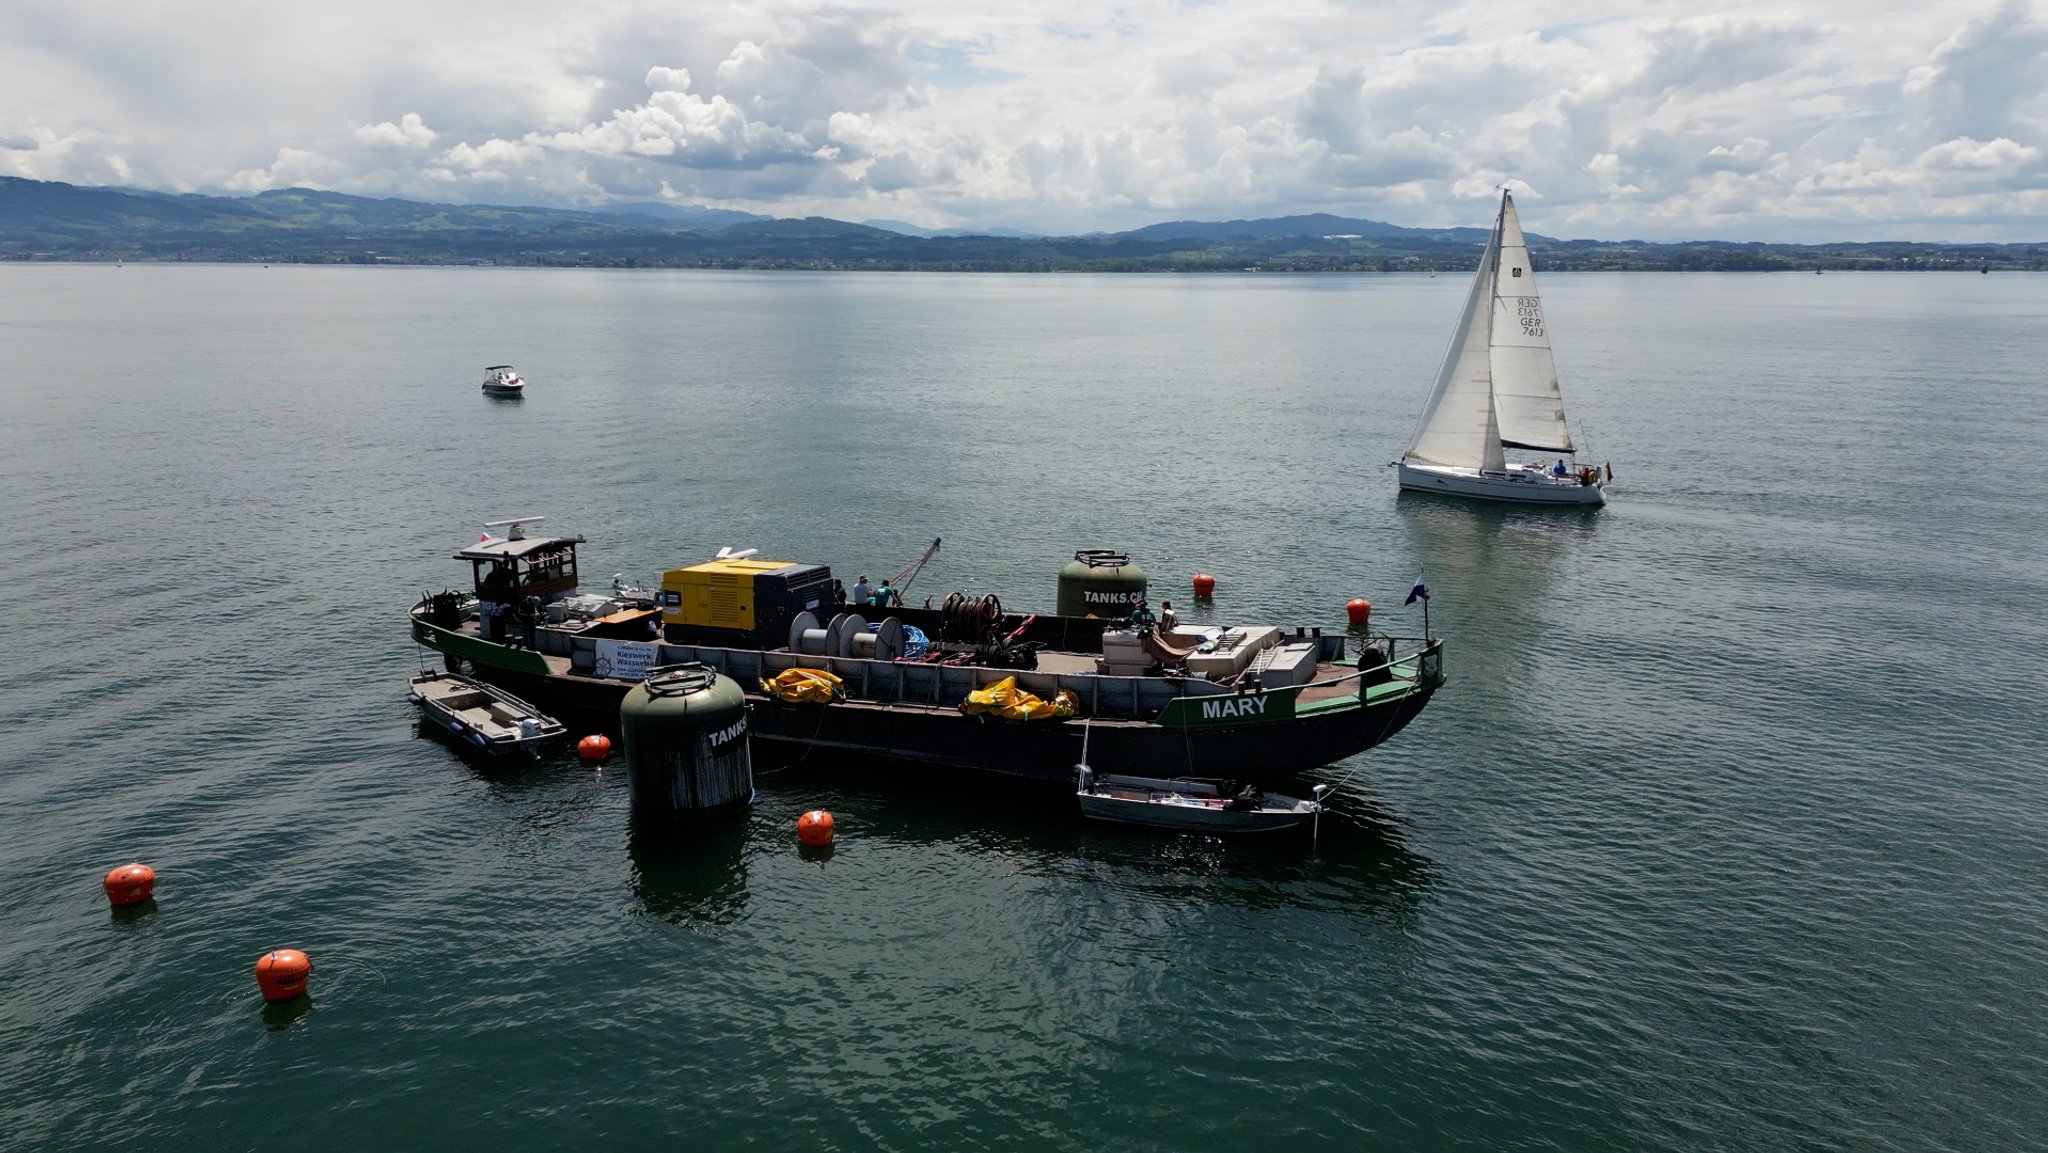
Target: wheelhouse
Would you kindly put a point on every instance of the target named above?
(510, 570)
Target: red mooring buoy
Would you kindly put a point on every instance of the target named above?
(282, 974)
(1358, 610)
(594, 748)
(814, 828)
(130, 885)
(1205, 585)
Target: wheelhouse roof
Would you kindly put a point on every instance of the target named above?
(514, 549)
(495, 367)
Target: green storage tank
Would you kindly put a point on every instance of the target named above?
(685, 738)
(1099, 582)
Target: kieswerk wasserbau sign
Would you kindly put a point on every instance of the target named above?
(626, 660)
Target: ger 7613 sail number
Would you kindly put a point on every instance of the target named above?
(1530, 313)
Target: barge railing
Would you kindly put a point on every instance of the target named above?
(945, 686)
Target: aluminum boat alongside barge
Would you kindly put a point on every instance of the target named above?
(1248, 704)
(484, 715)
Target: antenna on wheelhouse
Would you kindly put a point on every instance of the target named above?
(514, 529)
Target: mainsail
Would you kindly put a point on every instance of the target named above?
(1458, 426)
(1525, 397)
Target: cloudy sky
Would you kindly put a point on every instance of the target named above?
(1833, 119)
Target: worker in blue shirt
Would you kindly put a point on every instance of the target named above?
(1141, 615)
(863, 592)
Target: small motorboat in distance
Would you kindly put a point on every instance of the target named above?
(500, 380)
(1197, 806)
(482, 715)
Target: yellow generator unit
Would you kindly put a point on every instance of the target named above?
(741, 602)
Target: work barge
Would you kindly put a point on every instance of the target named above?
(1243, 703)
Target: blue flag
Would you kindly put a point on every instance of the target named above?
(1419, 593)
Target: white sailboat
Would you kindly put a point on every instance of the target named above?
(1497, 390)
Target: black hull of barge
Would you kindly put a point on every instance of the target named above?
(1032, 750)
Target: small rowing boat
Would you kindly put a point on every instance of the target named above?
(481, 715)
(1200, 806)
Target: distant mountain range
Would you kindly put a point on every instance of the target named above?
(909, 229)
(1319, 224)
(51, 221)
(689, 215)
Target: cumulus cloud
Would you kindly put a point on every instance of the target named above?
(1644, 119)
(677, 125)
(409, 132)
(491, 155)
(292, 168)
(1985, 79)
(1966, 154)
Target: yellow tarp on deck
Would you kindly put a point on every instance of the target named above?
(796, 685)
(1006, 700)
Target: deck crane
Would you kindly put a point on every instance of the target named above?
(901, 581)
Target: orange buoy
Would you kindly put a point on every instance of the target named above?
(1205, 585)
(282, 973)
(814, 828)
(130, 885)
(1359, 610)
(594, 748)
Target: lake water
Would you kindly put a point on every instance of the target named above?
(1729, 831)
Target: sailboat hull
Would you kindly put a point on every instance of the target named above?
(1519, 485)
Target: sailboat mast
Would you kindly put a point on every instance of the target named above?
(1526, 397)
(1459, 427)
(1492, 459)
(1500, 220)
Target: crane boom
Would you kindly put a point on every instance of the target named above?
(902, 580)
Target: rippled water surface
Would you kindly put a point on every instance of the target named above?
(1730, 830)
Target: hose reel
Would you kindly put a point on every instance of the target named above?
(846, 636)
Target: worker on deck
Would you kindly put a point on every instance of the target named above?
(838, 596)
(1141, 616)
(885, 597)
(1168, 619)
(863, 592)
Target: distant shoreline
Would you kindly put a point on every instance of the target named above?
(1541, 266)
(44, 221)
